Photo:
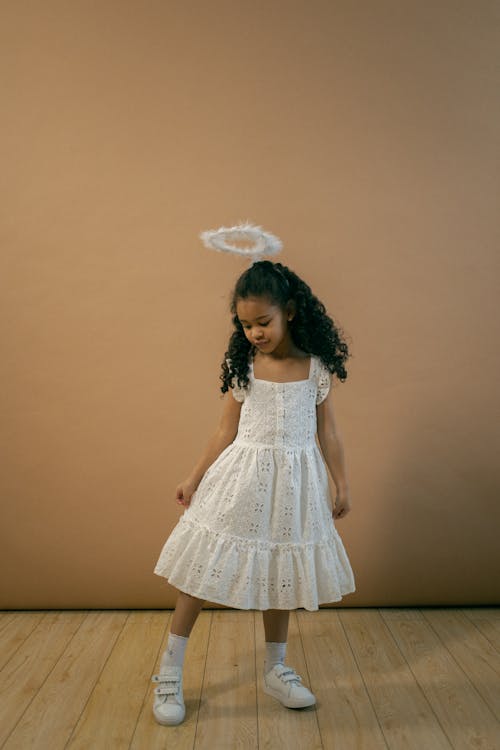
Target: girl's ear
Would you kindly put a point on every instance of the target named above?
(291, 309)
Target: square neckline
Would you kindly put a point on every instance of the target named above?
(284, 382)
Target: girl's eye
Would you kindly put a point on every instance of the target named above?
(262, 324)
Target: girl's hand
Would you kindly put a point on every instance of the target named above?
(184, 492)
(342, 504)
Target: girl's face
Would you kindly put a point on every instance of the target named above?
(265, 325)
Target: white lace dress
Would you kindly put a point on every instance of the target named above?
(259, 531)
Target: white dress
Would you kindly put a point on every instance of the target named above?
(259, 531)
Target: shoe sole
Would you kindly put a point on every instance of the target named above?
(290, 702)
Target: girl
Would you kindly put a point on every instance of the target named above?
(258, 529)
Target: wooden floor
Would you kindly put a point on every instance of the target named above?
(422, 679)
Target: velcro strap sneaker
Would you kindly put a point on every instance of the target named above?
(284, 684)
(169, 708)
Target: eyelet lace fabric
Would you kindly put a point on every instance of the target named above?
(259, 531)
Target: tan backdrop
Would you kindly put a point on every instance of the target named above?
(365, 135)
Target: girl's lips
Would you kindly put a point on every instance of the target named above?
(261, 343)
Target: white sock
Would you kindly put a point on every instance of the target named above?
(275, 654)
(173, 656)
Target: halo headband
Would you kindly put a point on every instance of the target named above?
(264, 242)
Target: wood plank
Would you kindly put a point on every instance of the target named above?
(467, 720)
(345, 713)
(30, 664)
(228, 717)
(280, 726)
(153, 736)
(7, 616)
(471, 650)
(406, 718)
(399, 613)
(111, 712)
(15, 631)
(479, 613)
(488, 622)
(52, 714)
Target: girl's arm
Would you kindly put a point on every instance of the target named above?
(331, 443)
(223, 436)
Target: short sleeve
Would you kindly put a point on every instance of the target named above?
(238, 392)
(324, 380)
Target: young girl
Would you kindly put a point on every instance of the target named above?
(258, 529)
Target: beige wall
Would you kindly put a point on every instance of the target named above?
(365, 135)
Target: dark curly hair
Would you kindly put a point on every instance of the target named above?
(311, 328)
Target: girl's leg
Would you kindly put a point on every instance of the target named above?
(279, 681)
(187, 609)
(276, 624)
(169, 708)
(276, 629)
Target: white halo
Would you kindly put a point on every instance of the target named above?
(265, 243)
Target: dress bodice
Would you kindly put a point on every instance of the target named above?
(281, 415)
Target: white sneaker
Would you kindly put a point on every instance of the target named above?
(169, 705)
(284, 684)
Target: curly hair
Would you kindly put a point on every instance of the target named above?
(311, 328)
